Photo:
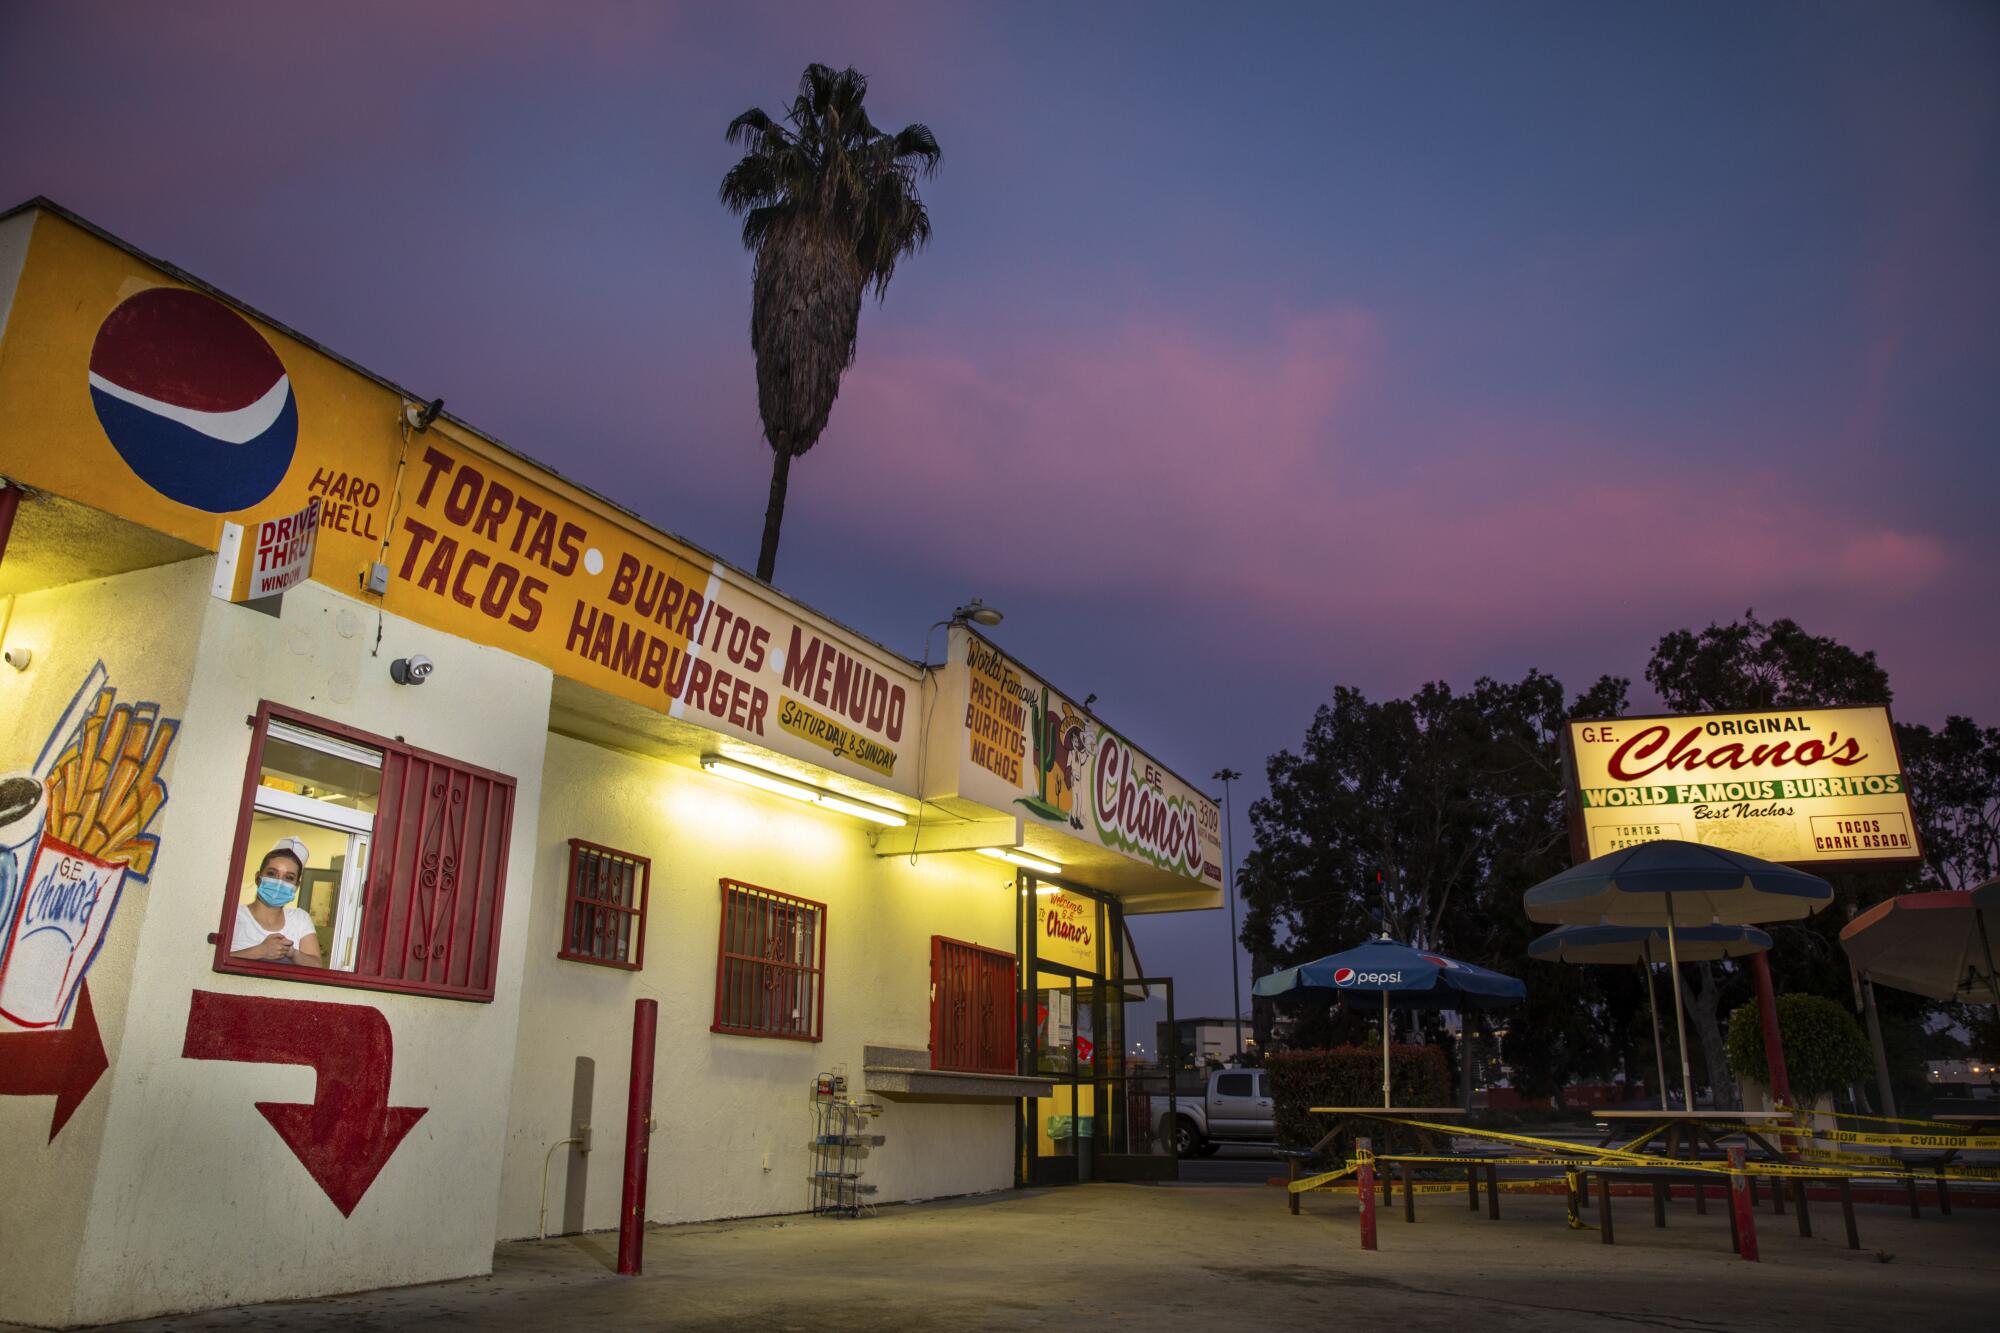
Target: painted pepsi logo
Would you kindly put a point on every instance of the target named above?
(193, 399)
(1343, 976)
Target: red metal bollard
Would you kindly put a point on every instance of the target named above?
(1739, 1200)
(638, 1139)
(1365, 1178)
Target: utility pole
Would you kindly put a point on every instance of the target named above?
(1226, 776)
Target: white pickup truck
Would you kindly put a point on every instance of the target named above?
(1234, 1107)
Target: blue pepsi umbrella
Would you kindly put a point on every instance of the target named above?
(1640, 886)
(1404, 978)
(1646, 945)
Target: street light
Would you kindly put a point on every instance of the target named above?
(1226, 776)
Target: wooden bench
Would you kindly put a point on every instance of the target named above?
(1665, 1176)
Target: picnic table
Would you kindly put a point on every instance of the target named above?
(1345, 1116)
(1687, 1136)
(1938, 1160)
(1689, 1133)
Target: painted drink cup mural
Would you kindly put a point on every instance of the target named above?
(23, 812)
(100, 791)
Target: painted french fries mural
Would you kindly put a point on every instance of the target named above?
(72, 831)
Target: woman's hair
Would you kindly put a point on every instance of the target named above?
(280, 853)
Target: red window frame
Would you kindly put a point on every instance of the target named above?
(604, 913)
(425, 838)
(765, 987)
(973, 1008)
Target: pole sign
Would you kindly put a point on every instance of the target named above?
(1805, 786)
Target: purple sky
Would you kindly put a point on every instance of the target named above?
(1257, 351)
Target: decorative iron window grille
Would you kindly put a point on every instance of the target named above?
(424, 842)
(770, 967)
(604, 916)
(972, 1008)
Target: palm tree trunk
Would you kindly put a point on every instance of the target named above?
(774, 513)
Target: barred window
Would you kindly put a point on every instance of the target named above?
(399, 857)
(973, 1005)
(604, 917)
(770, 967)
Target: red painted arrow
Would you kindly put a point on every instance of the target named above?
(66, 1063)
(349, 1132)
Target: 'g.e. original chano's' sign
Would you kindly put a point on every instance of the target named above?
(1804, 785)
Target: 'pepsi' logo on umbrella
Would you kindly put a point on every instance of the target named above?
(193, 399)
(1344, 977)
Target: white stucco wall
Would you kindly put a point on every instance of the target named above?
(196, 1201)
(727, 1105)
(141, 626)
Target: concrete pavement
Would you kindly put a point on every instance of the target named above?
(1201, 1256)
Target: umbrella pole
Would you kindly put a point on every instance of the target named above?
(1653, 1011)
(1385, 1050)
(1874, 1020)
(1992, 981)
(1680, 1013)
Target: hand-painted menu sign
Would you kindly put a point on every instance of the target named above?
(197, 415)
(1807, 786)
(1027, 748)
(495, 557)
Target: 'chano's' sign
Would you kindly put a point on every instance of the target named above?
(1808, 786)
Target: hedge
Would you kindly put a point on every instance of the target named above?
(1825, 1051)
(1352, 1076)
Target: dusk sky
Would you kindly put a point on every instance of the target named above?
(1260, 349)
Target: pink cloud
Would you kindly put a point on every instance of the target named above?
(1159, 456)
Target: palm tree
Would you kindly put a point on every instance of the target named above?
(829, 205)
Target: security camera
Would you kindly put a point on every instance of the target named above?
(419, 416)
(412, 670)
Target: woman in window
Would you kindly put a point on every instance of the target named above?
(268, 928)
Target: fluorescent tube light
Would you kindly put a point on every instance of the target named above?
(1021, 858)
(799, 791)
(861, 810)
(771, 782)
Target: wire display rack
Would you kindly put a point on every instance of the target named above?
(838, 1148)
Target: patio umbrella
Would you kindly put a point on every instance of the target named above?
(1404, 978)
(1663, 882)
(1939, 944)
(1644, 945)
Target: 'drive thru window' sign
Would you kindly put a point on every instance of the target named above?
(266, 557)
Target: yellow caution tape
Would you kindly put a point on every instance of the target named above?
(1571, 1151)
(1322, 1180)
(1973, 1142)
(1936, 1126)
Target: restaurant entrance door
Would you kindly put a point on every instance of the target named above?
(1108, 1046)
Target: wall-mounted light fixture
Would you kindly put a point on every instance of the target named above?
(412, 670)
(979, 613)
(1014, 856)
(764, 780)
(18, 658)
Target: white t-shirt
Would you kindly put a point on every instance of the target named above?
(250, 931)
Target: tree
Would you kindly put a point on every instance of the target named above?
(829, 206)
(1748, 665)
(1426, 817)
(1954, 782)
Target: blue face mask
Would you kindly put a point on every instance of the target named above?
(275, 892)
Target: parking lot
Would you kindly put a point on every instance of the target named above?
(1199, 1256)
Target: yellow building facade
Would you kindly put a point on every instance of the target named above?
(537, 762)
